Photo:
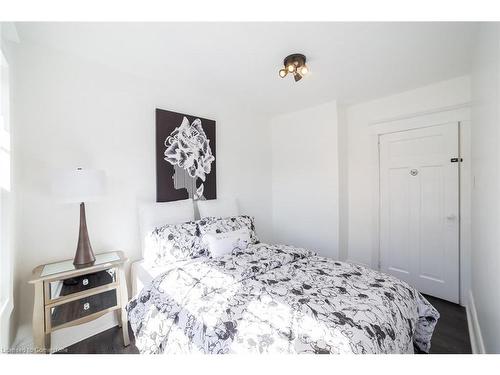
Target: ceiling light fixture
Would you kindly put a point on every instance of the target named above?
(296, 65)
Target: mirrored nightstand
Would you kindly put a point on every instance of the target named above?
(66, 296)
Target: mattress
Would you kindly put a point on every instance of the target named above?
(143, 273)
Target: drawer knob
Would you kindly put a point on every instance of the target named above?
(85, 282)
(86, 306)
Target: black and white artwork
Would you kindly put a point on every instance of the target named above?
(185, 157)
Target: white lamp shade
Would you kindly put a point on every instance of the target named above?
(79, 185)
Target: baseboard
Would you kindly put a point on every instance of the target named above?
(68, 336)
(476, 338)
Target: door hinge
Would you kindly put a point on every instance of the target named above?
(456, 160)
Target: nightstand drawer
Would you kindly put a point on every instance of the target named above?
(65, 287)
(60, 315)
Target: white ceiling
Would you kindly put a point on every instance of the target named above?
(350, 62)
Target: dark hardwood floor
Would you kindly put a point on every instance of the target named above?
(107, 342)
(451, 335)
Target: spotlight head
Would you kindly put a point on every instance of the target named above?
(294, 64)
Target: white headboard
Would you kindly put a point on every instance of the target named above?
(152, 215)
(218, 208)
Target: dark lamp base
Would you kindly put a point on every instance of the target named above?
(84, 265)
(84, 256)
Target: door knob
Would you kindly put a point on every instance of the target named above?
(451, 217)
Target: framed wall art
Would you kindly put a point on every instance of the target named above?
(185, 157)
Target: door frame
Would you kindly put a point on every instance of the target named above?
(460, 115)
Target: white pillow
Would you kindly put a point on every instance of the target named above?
(209, 225)
(218, 208)
(219, 244)
(172, 242)
(153, 215)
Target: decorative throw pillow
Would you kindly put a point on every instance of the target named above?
(219, 244)
(227, 224)
(173, 242)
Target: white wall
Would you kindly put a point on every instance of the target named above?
(6, 195)
(71, 112)
(305, 179)
(485, 267)
(361, 163)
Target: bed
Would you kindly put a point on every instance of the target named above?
(263, 298)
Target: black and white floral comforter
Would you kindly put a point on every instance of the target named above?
(279, 299)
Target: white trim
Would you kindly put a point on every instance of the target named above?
(423, 113)
(476, 338)
(458, 113)
(435, 118)
(465, 210)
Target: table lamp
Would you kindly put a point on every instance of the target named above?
(80, 186)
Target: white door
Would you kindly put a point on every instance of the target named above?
(419, 211)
